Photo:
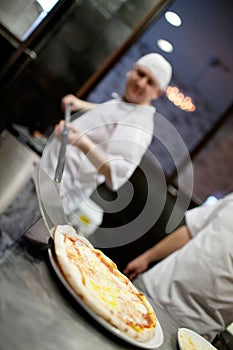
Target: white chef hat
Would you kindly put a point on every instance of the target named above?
(158, 66)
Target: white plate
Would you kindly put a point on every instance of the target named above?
(153, 343)
(196, 342)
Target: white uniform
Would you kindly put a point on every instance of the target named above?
(195, 283)
(122, 130)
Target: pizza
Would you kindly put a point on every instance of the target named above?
(102, 287)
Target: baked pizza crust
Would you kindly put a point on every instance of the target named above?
(98, 282)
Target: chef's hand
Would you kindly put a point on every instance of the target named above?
(136, 266)
(96, 156)
(76, 104)
(74, 137)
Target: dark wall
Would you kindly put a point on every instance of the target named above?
(70, 49)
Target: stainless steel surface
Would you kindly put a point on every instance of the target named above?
(49, 200)
(38, 313)
(17, 163)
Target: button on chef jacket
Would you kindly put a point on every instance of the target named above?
(123, 131)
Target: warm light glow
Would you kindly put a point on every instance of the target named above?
(173, 18)
(187, 99)
(180, 96)
(165, 45)
(169, 89)
(179, 100)
(175, 90)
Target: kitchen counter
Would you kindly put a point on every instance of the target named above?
(38, 313)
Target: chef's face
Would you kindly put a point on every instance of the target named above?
(141, 86)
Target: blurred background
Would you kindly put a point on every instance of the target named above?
(51, 48)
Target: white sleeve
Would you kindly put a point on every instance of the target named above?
(198, 218)
(125, 150)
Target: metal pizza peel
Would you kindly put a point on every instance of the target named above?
(48, 194)
(48, 190)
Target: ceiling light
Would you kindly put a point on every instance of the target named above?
(173, 18)
(165, 45)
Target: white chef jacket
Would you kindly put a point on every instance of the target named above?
(195, 283)
(122, 130)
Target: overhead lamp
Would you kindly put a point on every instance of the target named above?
(165, 45)
(173, 18)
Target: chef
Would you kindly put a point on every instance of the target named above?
(194, 283)
(108, 142)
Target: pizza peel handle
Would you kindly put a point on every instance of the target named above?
(48, 190)
(62, 152)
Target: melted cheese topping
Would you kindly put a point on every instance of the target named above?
(111, 288)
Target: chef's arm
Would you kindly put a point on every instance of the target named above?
(168, 245)
(76, 104)
(96, 156)
(165, 247)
